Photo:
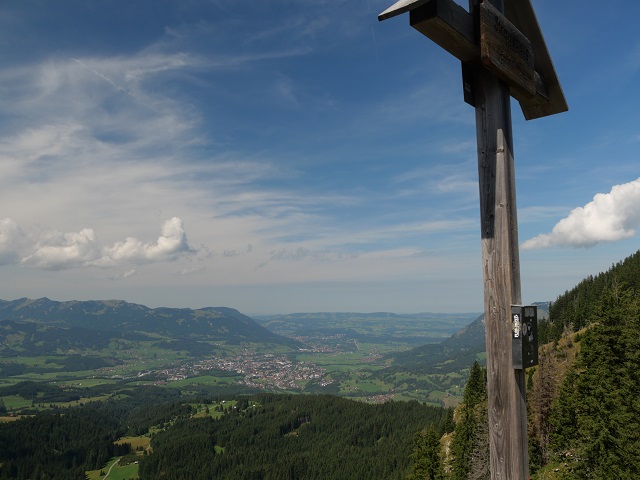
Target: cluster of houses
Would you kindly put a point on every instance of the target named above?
(267, 371)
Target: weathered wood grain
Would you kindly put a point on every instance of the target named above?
(454, 29)
(401, 6)
(522, 15)
(506, 51)
(448, 25)
(501, 275)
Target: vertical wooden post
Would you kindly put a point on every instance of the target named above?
(516, 53)
(509, 458)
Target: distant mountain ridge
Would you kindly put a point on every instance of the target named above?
(118, 316)
(457, 352)
(377, 327)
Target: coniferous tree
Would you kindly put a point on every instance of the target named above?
(426, 456)
(597, 417)
(470, 445)
(541, 395)
(448, 425)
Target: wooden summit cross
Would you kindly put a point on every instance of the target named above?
(503, 54)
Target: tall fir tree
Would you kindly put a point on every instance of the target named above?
(470, 445)
(597, 417)
(426, 456)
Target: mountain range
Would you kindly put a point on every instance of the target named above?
(44, 326)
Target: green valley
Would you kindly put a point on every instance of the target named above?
(84, 350)
(198, 402)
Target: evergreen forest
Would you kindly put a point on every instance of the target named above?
(265, 436)
(293, 437)
(584, 398)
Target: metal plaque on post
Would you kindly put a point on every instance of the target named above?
(524, 336)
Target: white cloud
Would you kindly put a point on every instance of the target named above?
(112, 98)
(109, 142)
(128, 274)
(170, 244)
(123, 275)
(191, 271)
(445, 178)
(58, 251)
(458, 147)
(11, 236)
(460, 182)
(609, 217)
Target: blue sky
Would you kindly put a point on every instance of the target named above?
(291, 156)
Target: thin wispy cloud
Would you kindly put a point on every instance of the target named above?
(129, 273)
(539, 213)
(151, 150)
(302, 253)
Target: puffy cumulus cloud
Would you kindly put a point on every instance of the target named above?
(609, 217)
(58, 251)
(11, 238)
(170, 244)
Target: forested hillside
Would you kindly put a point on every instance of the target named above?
(454, 354)
(582, 305)
(582, 398)
(63, 444)
(80, 321)
(265, 436)
(293, 437)
(584, 394)
(464, 453)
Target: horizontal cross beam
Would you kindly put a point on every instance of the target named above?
(453, 28)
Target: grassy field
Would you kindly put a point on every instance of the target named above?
(216, 409)
(114, 471)
(9, 419)
(206, 380)
(136, 443)
(15, 402)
